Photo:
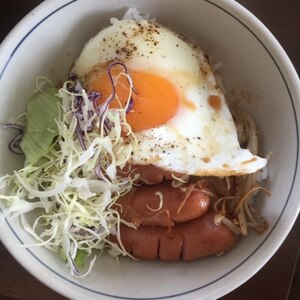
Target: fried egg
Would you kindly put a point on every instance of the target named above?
(179, 116)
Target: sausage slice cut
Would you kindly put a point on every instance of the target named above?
(162, 205)
(188, 241)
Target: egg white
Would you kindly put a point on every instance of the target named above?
(199, 140)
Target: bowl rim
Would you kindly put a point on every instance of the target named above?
(246, 19)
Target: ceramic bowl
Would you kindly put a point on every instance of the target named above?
(257, 74)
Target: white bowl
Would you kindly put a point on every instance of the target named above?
(47, 41)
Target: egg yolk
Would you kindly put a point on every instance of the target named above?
(154, 104)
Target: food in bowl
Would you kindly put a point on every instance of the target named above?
(141, 123)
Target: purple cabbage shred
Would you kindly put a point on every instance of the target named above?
(76, 87)
(14, 145)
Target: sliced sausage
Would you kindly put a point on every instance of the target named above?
(162, 205)
(188, 241)
(203, 237)
(148, 174)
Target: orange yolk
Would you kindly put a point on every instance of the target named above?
(155, 103)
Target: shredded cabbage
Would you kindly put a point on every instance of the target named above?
(74, 187)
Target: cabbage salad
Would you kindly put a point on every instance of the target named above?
(74, 146)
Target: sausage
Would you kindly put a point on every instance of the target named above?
(205, 238)
(148, 174)
(142, 205)
(188, 241)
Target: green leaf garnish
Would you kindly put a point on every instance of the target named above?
(42, 113)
